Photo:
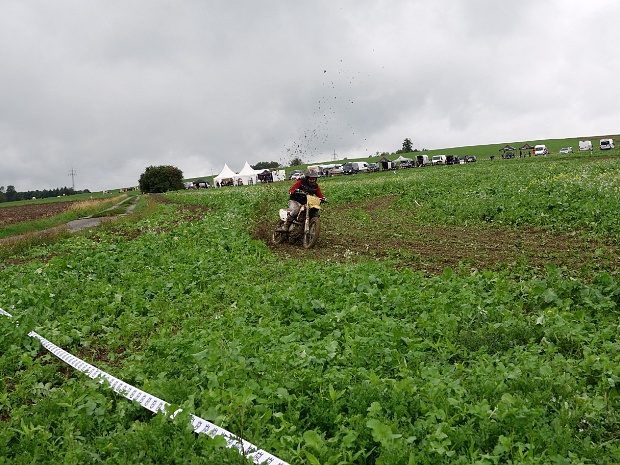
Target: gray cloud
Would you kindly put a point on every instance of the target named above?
(109, 88)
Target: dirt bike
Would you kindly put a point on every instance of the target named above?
(305, 227)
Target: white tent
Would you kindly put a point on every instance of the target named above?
(401, 159)
(248, 175)
(225, 174)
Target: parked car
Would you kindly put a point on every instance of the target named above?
(372, 167)
(360, 165)
(471, 159)
(350, 168)
(422, 160)
(296, 174)
(336, 170)
(541, 150)
(606, 144)
(439, 160)
(566, 150)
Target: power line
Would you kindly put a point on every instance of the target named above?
(73, 174)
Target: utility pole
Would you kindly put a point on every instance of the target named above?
(73, 174)
(334, 156)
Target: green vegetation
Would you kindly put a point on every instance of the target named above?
(326, 358)
(157, 179)
(72, 198)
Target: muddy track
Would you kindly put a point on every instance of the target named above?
(432, 248)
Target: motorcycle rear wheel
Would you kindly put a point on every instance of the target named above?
(278, 236)
(312, 235)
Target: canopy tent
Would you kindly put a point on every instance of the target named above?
(526, 149)
(247, 175)
(265, 176)
(508, 151)
(385, 163)
(507, 148)
(226, 177)
(401, 159)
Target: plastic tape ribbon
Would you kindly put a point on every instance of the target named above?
(154, 404)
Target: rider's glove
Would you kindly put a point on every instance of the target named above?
(324, 199)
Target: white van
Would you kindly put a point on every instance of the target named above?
(607, 144)
(540, 150)
(360, 165)
(439, 160)
(422, 160)
(585, 145)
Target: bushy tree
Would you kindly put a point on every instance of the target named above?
(296, 161)
(157, 179)
(407, 146)
(11, 194)
(265, 165)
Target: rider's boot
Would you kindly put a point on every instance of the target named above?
(284, 227)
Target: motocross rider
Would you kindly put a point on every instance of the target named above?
(303, 186)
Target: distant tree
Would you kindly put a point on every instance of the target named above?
(11, 194)
(2, 197)
(296, 161)
(265, 165)
(407, 146)
(157, 179)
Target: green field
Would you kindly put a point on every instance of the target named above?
(365, 350)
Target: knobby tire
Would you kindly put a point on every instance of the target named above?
(278, 236)
(312, 235)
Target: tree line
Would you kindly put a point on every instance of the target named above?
(10, 194)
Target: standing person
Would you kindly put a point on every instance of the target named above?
(299, 190)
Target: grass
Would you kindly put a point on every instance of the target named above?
(356, 352)
(75, 210)
(72, 198)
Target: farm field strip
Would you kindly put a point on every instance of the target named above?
(154, 404)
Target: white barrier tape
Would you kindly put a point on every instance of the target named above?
(154, 404)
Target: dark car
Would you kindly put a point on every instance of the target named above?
(471, 159)
(349, 168)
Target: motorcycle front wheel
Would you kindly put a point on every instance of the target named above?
(312, 235)
(278, 236)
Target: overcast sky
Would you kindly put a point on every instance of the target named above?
(107, 88)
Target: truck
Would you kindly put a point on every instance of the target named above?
(585, 145)
(607, 144)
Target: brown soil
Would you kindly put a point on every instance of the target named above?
(19, 214)
(432, 248)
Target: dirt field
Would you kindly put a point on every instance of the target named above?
(432, 248)
(13, 215)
